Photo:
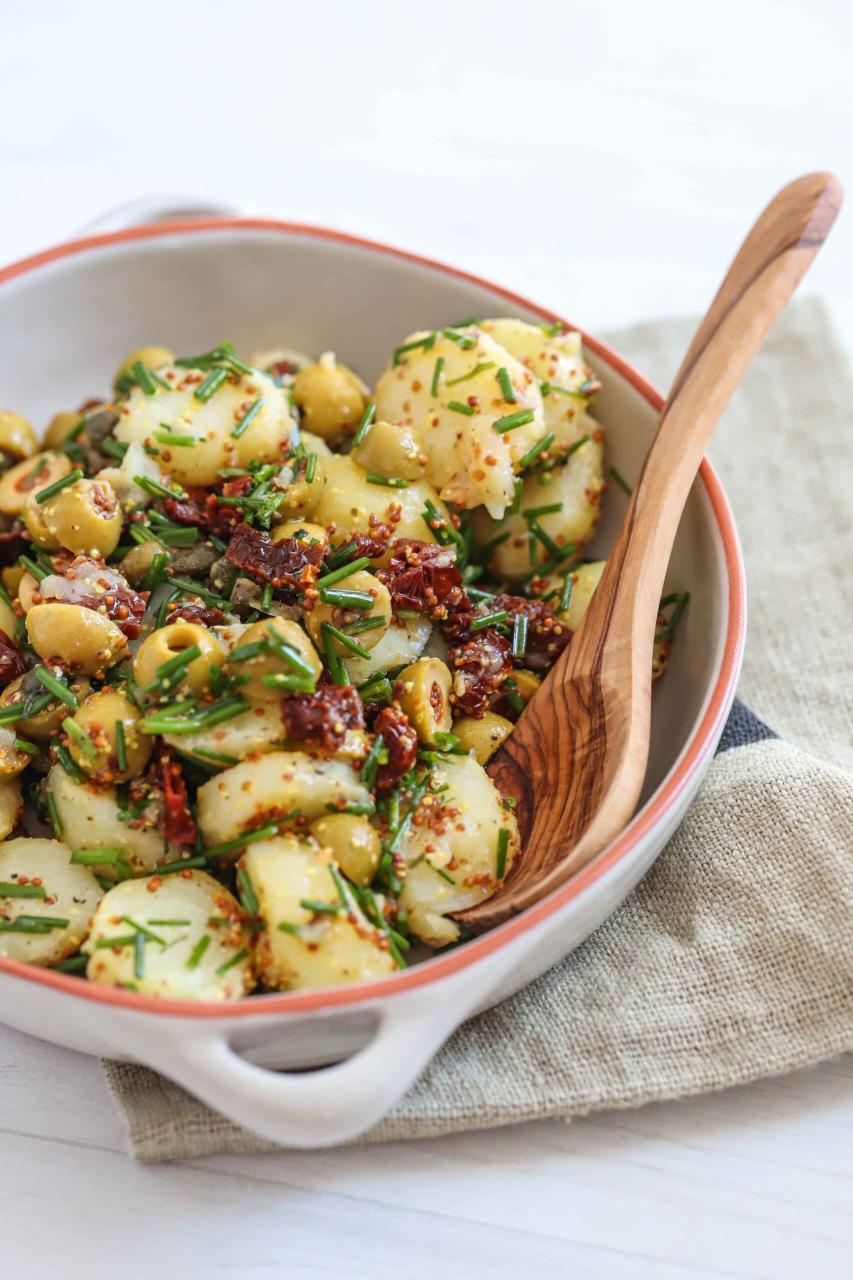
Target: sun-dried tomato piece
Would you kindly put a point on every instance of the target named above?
(178, 823)
(322, 719)
(371, 546)
(547, 636)
(481, 662)
(291, 562)
(401, 743)
(423, 576)
(14, 543)
(12, 663)
(282, 368)
(203, 508)
(204, 614)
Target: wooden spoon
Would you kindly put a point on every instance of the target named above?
(576, 761)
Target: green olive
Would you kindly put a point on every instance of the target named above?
(423, 692)
(30, 476)
(586, 578)
(17, 438)
(11, 576)
(302, 529)
(94, 744)
(8, 620)
(483, 736)
(12, 759)
(331, 398)
(269, 662)
(138, 561)
(45, 724)
(78, 637)
(390, 451)
(166, 643)
(353, 842)
(151, 357)
(28, 591)
(33, 516)
(301, 498)
(342, 617)
(59, 429)
(85, 517)
(11, 805)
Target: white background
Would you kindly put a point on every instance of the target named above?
(604, 159)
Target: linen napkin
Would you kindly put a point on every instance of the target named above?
(733, 959)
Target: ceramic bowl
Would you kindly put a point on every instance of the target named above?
(66, 318)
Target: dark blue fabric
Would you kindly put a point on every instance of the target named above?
(743, 728)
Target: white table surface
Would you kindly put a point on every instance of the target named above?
(605, 159)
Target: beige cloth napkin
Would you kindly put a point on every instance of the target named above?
(733, 959)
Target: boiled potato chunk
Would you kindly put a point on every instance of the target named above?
(313, 949)
(259, 729)
(89, 819)
(576, 486)
(194, 946)
(275, 784)
(71, 896)
(468, 461)
(348, 500)
(210, 423)
(10, 805)
(404, 641)
(450, 869)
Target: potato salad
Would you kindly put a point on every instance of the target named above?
(261, 630)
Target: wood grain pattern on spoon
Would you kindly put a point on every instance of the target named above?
(577, 758)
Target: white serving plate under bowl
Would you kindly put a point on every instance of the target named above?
(67, 316)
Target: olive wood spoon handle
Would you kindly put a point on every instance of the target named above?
(577, 758)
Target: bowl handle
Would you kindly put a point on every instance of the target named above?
(165, 208)
(327, 1105)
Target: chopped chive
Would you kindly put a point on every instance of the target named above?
(566, 592)
(461, 339)
(172, 438)
(347, 641)
(53, 814)
(489, 619)
(139, 955)
(142, 377)
(248, 897)
(63, 483)
(440, 525)
(80, 736)
(249, 837)
(285, 926)
(621, 481)
(169, 924)
(156, 571)
(243, 652)
(367, 773)
(198, 951)
(15, 711)
(118, 940)
(541, 536)
(513, 697)
(439, 871)
(248, 417)
(376, 689)
(266, 597)
(365, 624)
(519, 635)
(74, 964)
(404, 824)
(533, 513)
(218, 757)
(338, 575)
(310, 468)
(96, 857)
(373, 477)
(181, 864)
(503, 845)
(342, 556)
(436, 375)
(534, 452)
(320, 908)
(337, 670)
(288, 684)
(174, 665)
(194, 589)
(210, 385)
(22, 744)
(467, 409)
(33, 924)
(426, 343)
(69, 764)
(366, 420)
(478, 368)
(237, 958)
(506, 385)
(347, 599)
(121, 746)
(155, 489)
(11, 889)
(33, 568)
(57, 687)
(288, 654)
(513, 420)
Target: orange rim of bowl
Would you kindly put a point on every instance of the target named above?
(695, 751)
